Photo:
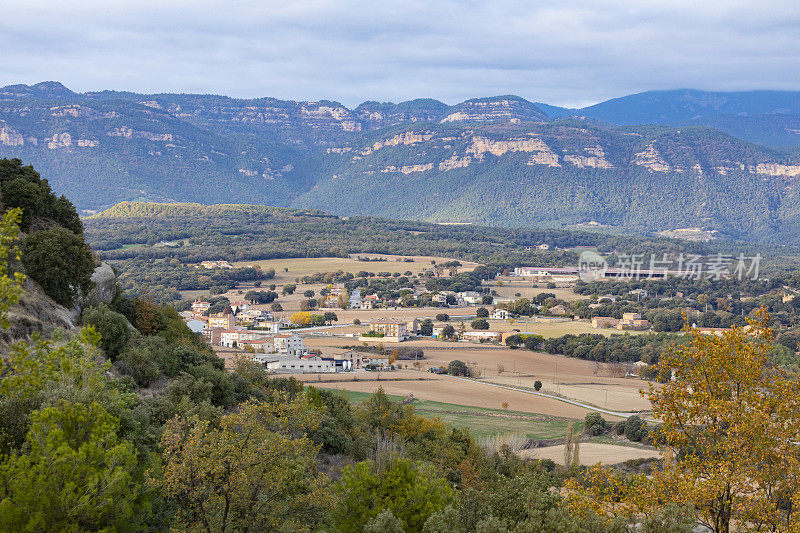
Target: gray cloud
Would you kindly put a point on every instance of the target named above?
(570, 52)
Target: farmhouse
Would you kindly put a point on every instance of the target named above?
(390, 327)
(482, 336)
(604, 322)
(470, 297)
(499, 314)
(289, 345)
(633, 321)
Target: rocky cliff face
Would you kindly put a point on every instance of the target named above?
(36, 313)
(476, 156)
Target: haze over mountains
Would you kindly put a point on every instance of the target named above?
(649, 162)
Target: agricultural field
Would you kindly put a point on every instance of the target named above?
(446, 389)
(592, 453)
(299, 267)
(485, 422)
(511, 286)
(598, 384)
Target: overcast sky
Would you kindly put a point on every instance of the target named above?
(565, 52)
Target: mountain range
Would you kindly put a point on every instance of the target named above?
(650, 162)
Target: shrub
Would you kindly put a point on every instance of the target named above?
(480, 323)
(442, 317)
(112, 326)
(594, 424)
(458, 368)
(635, 429)
(60, 261)
(537, 386)
(514, 341)
(482, 312)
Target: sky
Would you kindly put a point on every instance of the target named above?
(568, 52)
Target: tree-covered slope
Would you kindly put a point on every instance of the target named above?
(498, 160)
(563, 173)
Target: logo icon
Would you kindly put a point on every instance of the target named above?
(591, 266)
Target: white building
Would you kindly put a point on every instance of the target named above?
(499, 314)
(471, 297)
(482, 335)
(355, 299)
(239, 337)
(297, 365)
(289, 345)
(271, 327)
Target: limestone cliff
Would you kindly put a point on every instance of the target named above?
(37, 313)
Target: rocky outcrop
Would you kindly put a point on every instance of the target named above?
(481, 145)
(651, 158)
(36, 313)
(406, 138)
(409, 169)
(778, 170)
(9, 137)
(104, 285)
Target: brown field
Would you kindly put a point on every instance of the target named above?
(445, 389)
(299, 267)
(577, 379)
(592, 453)
(527, 289)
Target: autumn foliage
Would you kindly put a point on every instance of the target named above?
(728, 434)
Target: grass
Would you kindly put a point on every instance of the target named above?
(483, 422)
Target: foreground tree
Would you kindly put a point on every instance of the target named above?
(256, 471)
(10, 284)
(410, 492)
(60, 261)
(729, 435)
(75, 474)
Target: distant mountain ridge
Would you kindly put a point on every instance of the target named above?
(498, 160)
(771, 118)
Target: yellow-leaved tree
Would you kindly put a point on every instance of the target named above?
(10, 285)
(728, 434)
(256, 470)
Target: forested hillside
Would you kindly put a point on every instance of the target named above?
(496, 161)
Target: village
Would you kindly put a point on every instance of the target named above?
(295, 340)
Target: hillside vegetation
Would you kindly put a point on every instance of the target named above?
(496, 161)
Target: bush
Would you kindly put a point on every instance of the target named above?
(458, 368)
(533, 342)
(514, 341)
(635, 429)
(442, 317)
(289, 288)
(480, 323)
(112, 327)
(594, 424)
(482, 312)
(60, 261)
(537, 386)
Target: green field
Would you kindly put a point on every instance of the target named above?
(485, 422)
